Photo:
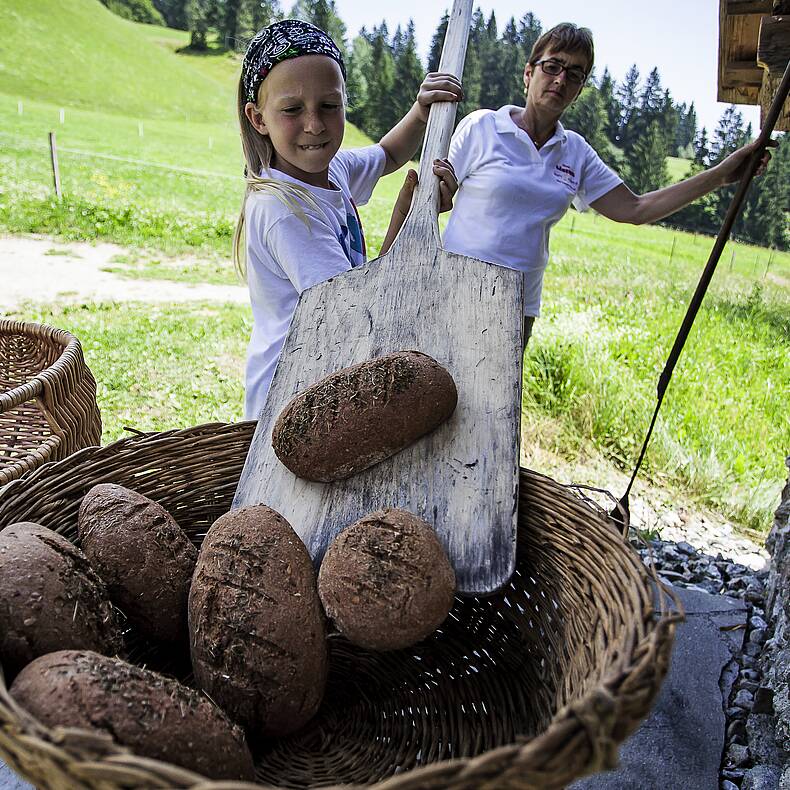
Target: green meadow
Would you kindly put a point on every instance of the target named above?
(149, 158)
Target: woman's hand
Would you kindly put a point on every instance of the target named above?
(436, 87)
(733, 167)
(448, 186)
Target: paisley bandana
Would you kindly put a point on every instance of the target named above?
(281, 41)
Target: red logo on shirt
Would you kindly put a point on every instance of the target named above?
(566, 175)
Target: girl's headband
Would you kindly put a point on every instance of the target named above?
(281, 41)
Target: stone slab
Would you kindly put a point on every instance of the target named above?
(679, 746)
(10, 781)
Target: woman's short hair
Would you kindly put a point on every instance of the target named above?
(565, 37)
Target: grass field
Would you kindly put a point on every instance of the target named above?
(165, 181)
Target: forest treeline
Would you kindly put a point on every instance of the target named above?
(634, 124)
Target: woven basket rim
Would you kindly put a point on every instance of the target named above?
(65, 746)
(61, 337)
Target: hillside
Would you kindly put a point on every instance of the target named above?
(77, 53)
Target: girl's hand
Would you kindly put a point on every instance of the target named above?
(437, 87)
(732, 168)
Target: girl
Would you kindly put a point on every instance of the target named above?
(302, 225)
(519, 171)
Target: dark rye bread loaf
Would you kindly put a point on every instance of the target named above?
(363, 414)
(50, 598)
(142, 554)
(257, 631)
(153, 715)
(386, 581)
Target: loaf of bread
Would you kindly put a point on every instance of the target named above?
(361, 415)
(257, 631)
(143, 555)
(153, 715)
(52, 598)
(386, 581)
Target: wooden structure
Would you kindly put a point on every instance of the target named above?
(754, 47)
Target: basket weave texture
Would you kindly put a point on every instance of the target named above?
(47, 398)
(530, 688)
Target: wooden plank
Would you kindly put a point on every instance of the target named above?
(737, 45)
(736, 7)
(773, 46)
(767, 93)
(460, 311)
(742, 74)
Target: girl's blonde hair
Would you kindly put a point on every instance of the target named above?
(258, 152)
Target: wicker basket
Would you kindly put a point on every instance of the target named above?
(530, 688)
(47, 398)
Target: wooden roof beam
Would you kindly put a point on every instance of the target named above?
(773, 53)
(773, 45)
(742, 72)
(735, 7)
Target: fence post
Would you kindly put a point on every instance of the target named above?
(19, 107)
(62, 115)
(732, 258)
(672, 251)
(140, 132)
(53, 151)
(768, 265)
(573, 222)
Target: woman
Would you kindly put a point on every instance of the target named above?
(519, 170)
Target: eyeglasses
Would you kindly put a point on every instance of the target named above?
(554, 67)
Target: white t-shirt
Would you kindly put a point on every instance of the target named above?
(284, 257)
(511, 193)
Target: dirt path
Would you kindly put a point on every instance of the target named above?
(40, 269)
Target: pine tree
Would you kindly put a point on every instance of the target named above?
(529, 31)
(323, 14)
(408, 71)
(379, 115)
(472, 66)
(511, 65)
(729, 135)
(627, 99)
(669, 120)
(491, 82)
(702, 147)
(437, 42)
(358, 69)
(647, 110)
(200, 15)
(174, 12)
(587, 117)
(646, 161)
(768, 201)
(254, 15)
(611, 105)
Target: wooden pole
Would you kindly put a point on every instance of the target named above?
(53, 151)
(732, 258)
(768, 265)
(672, 251)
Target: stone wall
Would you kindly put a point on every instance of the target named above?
(768, 725)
